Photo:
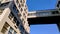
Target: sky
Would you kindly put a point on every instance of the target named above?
(44, 29)
(42, 5)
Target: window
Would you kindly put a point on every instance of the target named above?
(1, 11)
(17, 1)
(19, 14)
(24, 9)
(21, 28)
(10, 15)
(17, 23)
(15, 27)
(22, 5)
(26, 32)
(42, 13)
(22, 19)
(24, 22)
(4, 29)
(21, 1)
(24, 15)
(14, 20)
(15, 32)
(57, 5)
(21, 9)
(58, 2)
(55, 12)
(15, 9)
(10, 31)
(19, 5)
(21, 32)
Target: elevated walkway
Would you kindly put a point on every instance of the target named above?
(44, 17)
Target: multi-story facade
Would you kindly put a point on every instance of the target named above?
(13, 17)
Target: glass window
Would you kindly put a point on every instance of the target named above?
(25, 9)
(55, 12)
(17, 1)
(4, 29)
(15, 32)
(10, 31)
(21, 28)
(15, 9)
(19, 5)
(18, 23)
(10, 15)
(1, 11)
(21, 1)
(19, 15)
(43, 13)
(21, 9)
(22, 5)
(58, 2)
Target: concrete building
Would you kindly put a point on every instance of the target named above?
(13, 17)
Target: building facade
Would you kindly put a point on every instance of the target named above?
(13, 17)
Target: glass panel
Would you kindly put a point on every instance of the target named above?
(10, 31)
(15, 32)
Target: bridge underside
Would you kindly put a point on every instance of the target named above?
(45, 20)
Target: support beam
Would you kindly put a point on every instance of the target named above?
(58, 24)
(45, 20)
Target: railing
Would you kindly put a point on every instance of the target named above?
(44, 13)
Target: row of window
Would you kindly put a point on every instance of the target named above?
(19, 5)
(55, 12)
(6, 30)
(21, 9)
(44, 13)
(11, 31)
(21, 1)
(14, 19)
(15, 9)
(24, 15)
(21, 29)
